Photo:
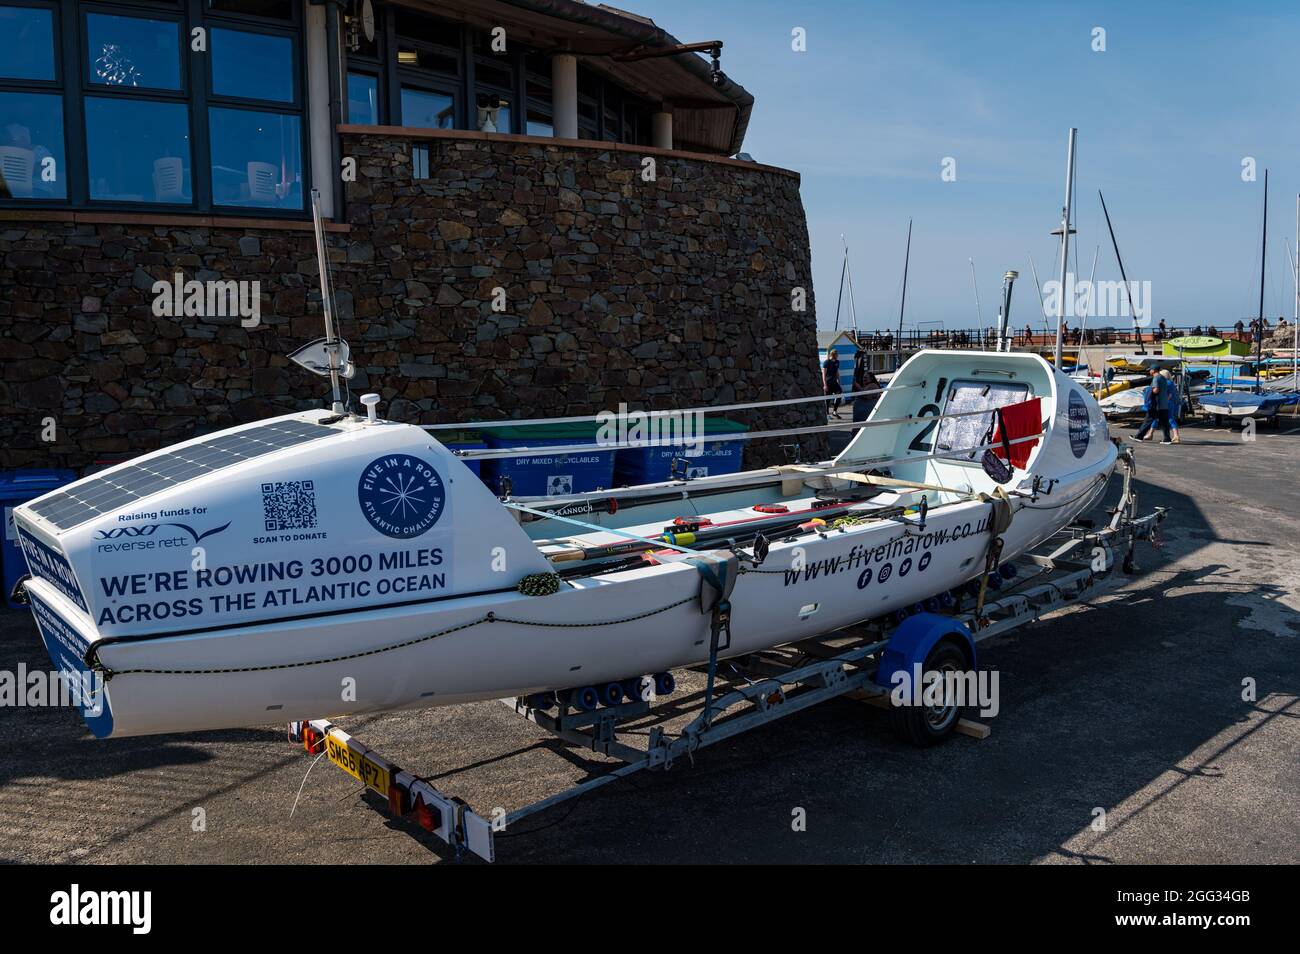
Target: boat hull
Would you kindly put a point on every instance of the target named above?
(604, 629)
(201, 609)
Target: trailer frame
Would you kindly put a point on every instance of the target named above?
(1076, 564)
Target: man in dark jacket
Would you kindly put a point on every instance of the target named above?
(831, 377)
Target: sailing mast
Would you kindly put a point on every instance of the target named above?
(1092, 293)
(979, 315)
(1065, 246)
(907, 257)
(1142, 348)
(1042, 305)
(853, 308)
(1263, 266)
(840, 300)
(846, 273)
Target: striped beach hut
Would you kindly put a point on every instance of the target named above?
(845, 347)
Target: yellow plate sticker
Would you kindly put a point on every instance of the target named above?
(358, 766)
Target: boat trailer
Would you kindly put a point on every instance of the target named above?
(1076, 564)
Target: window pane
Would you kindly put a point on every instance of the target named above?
(26, 43)
(130, 51)
(279, 9)
(256, 159)
(539, 124)
(31, 146)
(138, 151)
(426, 110)
(252, 65)
(363, 100)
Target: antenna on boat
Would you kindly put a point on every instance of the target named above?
(331, 343)
(1004, 313)
(979, 314)
(1065, 245)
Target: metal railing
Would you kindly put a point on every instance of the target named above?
(979, 339)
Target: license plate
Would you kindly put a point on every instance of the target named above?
(359, 766)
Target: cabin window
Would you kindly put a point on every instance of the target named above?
(959, 433)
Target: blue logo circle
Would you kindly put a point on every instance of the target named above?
(1080, 429)
(905, 567)
(402, 496)
(923, 562)
(884, 572)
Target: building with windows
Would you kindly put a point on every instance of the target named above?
(532, 207)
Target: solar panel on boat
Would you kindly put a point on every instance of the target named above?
(120, 487)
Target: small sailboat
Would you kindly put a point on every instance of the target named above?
(329, 562)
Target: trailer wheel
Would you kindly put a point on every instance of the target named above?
(929, 725)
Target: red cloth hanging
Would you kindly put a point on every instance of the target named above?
(1019, 420)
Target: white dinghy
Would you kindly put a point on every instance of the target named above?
(183, 589)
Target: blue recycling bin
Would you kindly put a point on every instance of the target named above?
(549, 475)
(17, 487)
(652, 465)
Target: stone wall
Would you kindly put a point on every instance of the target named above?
(658, 293)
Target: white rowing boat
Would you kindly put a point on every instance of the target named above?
(328, 563)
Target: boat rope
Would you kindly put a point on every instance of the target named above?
(648, 415)
(718, 574)
(490, 617)
(999, 523)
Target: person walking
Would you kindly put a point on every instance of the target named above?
(831, 378)
(1175, 405)
(1157, 400)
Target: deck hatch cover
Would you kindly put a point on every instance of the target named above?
(69, 508)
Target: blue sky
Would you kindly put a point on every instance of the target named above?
(887, 90)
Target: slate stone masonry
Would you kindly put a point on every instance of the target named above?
(521, 279)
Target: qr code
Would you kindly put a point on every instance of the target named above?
(289, 505)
